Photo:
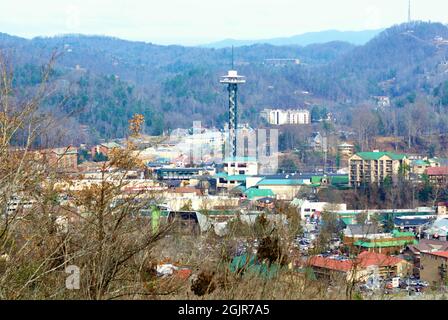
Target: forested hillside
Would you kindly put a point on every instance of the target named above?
(100, 81)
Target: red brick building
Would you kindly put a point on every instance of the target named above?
(63, 159)
(438, 175)
(104, 148)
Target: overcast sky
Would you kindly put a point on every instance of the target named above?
(202, 21)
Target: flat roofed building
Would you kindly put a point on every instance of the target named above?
(309, 209)
(286, 117)
(241, 166)
(182, 173)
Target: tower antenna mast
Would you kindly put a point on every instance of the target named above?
(232, 80)
(409, 12)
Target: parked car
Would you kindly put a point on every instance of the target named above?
(422, 283)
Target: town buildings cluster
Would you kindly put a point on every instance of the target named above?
(383, 244)
(186, 176)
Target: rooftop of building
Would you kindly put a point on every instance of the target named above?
(400, 234)
(430, 245)
(240, 159)
(287, 110)
(437, 171)
(411, 221)
(346, 145)
(65, 151)
(420, 162)
(331, 264)
(282, 182)
(384, 244)
(183, 190)
(362, 229)
(443, 254)
(253, 193)
(225, 175)
(180, 169)
(367, 259)
(111, 145)
(378, 155)
(302, 175)
(364, 259)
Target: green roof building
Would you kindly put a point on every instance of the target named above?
(281, 182)
(254, 193)
(375, 167)
(379, 155)
(393, 244)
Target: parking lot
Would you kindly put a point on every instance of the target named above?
(407, 286)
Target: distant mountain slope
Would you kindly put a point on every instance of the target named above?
(402, 59)
(109, 79)
(353, 37)
(8, 39)
(146, 64)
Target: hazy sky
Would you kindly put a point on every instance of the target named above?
(201, 21)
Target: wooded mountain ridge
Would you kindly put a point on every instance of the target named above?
(102, 81)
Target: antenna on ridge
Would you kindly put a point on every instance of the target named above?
(233, 59)
(409, 12)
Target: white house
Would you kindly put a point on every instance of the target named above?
(309, 209)
(241, 166)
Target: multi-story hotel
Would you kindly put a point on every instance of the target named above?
(284, 117)
(374, 167)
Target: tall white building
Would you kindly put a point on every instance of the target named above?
(283, 117)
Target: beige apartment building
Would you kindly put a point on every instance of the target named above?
(433, 267)
(374, 167)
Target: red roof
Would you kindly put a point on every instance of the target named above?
(331, 264)
(443, 254)
(437, 171)
(366, 259)
(183, 274)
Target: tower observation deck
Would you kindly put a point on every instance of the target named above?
(232, 79)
